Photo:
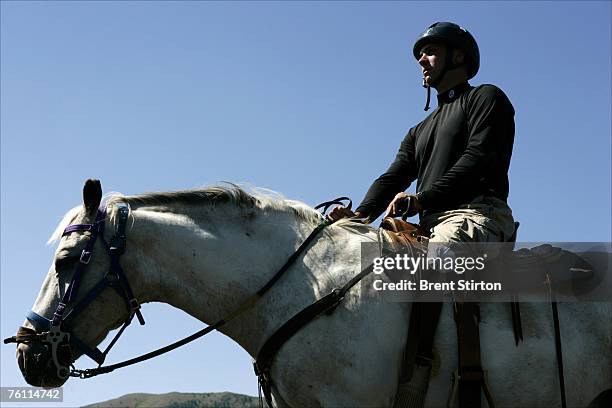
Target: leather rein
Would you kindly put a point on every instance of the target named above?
(56, 332)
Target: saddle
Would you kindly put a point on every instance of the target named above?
(399, 235)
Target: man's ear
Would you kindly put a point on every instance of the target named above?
(458, 57)
(92, 195)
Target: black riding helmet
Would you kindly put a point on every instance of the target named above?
(455, 37)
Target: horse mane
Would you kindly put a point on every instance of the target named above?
(232, 194)
(214, 195)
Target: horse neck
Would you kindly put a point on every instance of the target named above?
(208, 261)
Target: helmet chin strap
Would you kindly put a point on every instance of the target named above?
(426, 86)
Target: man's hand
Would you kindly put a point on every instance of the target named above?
(404, 204)
(340, 212)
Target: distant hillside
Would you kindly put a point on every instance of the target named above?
(180, 400)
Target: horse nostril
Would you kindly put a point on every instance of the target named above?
(20, 360)
(31, 359)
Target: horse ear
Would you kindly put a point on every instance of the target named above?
(92, 195)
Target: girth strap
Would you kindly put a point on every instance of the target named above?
(559, 353)
(557, 329)
(422, 327)
(418, 355)
(471, 375)
(517, 326)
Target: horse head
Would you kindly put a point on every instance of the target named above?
(55, 332)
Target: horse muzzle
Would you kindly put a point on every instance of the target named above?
(43, 358)
(37, 366)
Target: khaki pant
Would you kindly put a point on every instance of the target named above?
(486, 219)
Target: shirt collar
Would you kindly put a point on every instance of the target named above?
(453, 93)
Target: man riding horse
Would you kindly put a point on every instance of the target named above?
(459, 154)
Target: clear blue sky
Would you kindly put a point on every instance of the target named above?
(308, 99)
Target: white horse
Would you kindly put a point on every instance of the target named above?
(205, 251)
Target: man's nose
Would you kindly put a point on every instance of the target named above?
(423, 61)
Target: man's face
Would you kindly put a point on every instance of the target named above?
(432, 61)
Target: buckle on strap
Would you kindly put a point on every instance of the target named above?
(118, 241)
(57, 315)
(471, 374)
(85, 257)
(135, 309)
(134, 305)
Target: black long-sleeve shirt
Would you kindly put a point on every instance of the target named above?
(460, 151)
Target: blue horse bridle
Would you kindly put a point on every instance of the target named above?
(57, 331)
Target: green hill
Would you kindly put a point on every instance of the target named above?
(180, 400)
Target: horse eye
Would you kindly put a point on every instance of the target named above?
(65, 262)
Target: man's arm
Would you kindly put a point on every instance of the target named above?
(397, 178)
(491, 123)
